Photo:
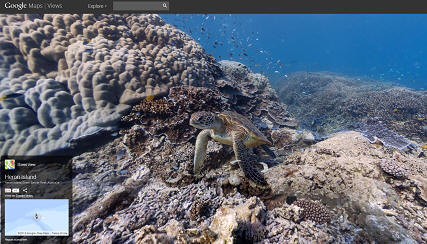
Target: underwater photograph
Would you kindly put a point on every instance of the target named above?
(214, 128)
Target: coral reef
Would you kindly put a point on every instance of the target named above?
(340, 179)
(236, 221)
(343, 173)
(376, 132)
(249, 232)
(157, 146)
(325, 103)
(313, 211)
(284, 225)
(251, 94)
(288, 140)
(171, 115)
(66, 79)
(78, 74)
(162, 125)
(394, 168)
(174, 232)
(420, 184)
(149, 234)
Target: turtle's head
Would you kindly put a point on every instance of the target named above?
(205, 120)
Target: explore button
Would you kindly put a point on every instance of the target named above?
(96, 6)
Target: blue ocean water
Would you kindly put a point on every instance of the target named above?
(385, 47)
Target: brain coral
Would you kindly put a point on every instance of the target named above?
(78, 74)
(395, 168)
(314, 211)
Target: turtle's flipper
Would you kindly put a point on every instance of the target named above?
(200, 152)
(268, 151)
(247, 160)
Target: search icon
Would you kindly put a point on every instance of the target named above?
(165, 5)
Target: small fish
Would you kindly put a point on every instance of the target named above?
(420, 119)
(149, 98)
(203, 29)
(245, 54)
(12, 95)
(120, 154)
(395, 110)
(423, 146)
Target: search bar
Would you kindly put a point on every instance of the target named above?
(140, 5)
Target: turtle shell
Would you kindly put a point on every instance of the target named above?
(242, 121)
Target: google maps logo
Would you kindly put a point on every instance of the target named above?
(9, 164)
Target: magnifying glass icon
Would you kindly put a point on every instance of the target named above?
(164, 5)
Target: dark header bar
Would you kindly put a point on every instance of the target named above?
(213, 6)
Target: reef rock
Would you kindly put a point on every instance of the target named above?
(345, 171)
(232, 224)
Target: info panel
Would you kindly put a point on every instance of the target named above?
(36, 199)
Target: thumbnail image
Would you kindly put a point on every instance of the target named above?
(36, 217)
(220, 128)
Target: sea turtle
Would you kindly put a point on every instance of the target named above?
(232, 129)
